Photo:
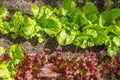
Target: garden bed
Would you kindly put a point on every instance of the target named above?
(69, 52)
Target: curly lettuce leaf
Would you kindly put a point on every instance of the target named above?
(16, 23)
(35, 10)
(47, 22)
(8, 69)
(52, 26)
(4, 27)
(29, 28)
(91, 35)
(61, 12)
(22, 25)
(83, 41)
(16, 54)
(44, 12)
(5, 74)
(112, 48)
(97, 33)
(113, 41)
(66, 37)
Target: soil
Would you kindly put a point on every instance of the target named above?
(32, 45)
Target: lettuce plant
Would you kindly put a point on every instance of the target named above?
(4, 26)
(9, 60)
(22, 25)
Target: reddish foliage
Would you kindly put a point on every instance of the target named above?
(35, 66)
(5, 57)
(87, 66)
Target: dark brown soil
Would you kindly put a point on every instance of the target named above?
(32, 45)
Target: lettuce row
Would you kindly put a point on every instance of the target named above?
(69, 24)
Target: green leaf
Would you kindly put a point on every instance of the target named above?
(91, 32)
(78, 17)
(24, 26)
(16, 53)
(35, 10)
(90, 8)
(97, 33)
(61, 11)
(68, 4)
(29, 28)
(11, 67)
(2, 51)
(110, 16)
(66, 37)
(41, 36)
(83, 41)
(4, 72)
(16, 22)
(91, 35)
(112, 49)
(41, 39)
(52, 26)
(4, 27)
(101, 21)
(116, 40)
(91, 12)
(116, 30)
(3, 13)
(44, 12)
(113, 30)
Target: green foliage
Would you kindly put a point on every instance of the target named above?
(4, 26)
(90, 36)
(112, 43)
(7, 68)
(110, 16)
(90, 8)
(14, 51)
(2, 51)
(3, 13)
(4, 71)
(23, 25)
(69, 24)
(68, 5)
(66, 37)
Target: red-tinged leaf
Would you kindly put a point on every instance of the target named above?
(59, 62)
(70, 77)
(47, 71)
(5, 57)
(90, 62)
(29, 75)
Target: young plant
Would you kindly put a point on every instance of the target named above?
(8, 61)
